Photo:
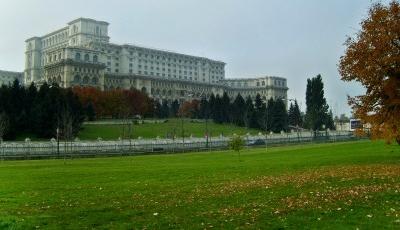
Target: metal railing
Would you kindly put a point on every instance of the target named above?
(52, 149)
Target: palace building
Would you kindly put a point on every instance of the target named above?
(81, 54)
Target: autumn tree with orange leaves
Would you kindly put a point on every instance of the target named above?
(373, 59)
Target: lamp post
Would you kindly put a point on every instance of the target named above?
(58, 141)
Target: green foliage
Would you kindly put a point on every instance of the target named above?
(90, 112)
(236, 143)
(39, 111)
(317, 108)
(294, 115)
(237, 111)
(174, 108)
(250, 116)
(279, 119)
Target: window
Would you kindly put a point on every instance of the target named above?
(86, 57)
(77, 78)
(85, 80)
(95, 58)
(78, 56)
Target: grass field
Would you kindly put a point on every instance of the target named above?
(330, 186)
(113, 132)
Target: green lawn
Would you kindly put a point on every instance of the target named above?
(325, 186)
(197, 129)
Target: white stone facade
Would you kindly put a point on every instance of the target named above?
(81, 54)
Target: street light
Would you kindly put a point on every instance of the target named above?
(58, 141)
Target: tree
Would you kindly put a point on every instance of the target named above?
(317, 109)
(164, 109)
(260, 110)
(3, 125)
(217, 114)
(269, 114)
(90, 112)
(225, 108)
(250, 116)
(372, 58)
(236, 144)
(237, 111)
(279, 119)
(294, 115)
(157, 109)
(329, 123)
(174, 108)
(204, 108)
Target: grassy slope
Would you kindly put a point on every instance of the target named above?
(112, 132)
(344, 185)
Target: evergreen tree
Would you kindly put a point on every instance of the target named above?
(90, 112)
(260, 110)
(174, 108)
(238, 111)
(204, 108)
(250, 114)
(157, 109)
(164, 109)
(317, 109)
(279, 121)
(329, 123)
(217, 110)
(269, 114)
(73, 108)
(225, 108)
(211, 106)
(294, 115)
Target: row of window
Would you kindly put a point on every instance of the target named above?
(168, 57)
(86, 57)
(86, 70)
(86, 80)
(55, 39)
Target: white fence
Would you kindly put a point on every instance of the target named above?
(52, 149)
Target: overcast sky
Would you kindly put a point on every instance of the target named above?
(295, 39)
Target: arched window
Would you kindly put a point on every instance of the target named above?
(59, 79)
(78, 56)
(77, 78)
(86, 57)
(144, 90)
(85, 80)
(95, 58)
(94, 81)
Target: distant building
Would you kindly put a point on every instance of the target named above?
(80, 54)
(8, 77)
